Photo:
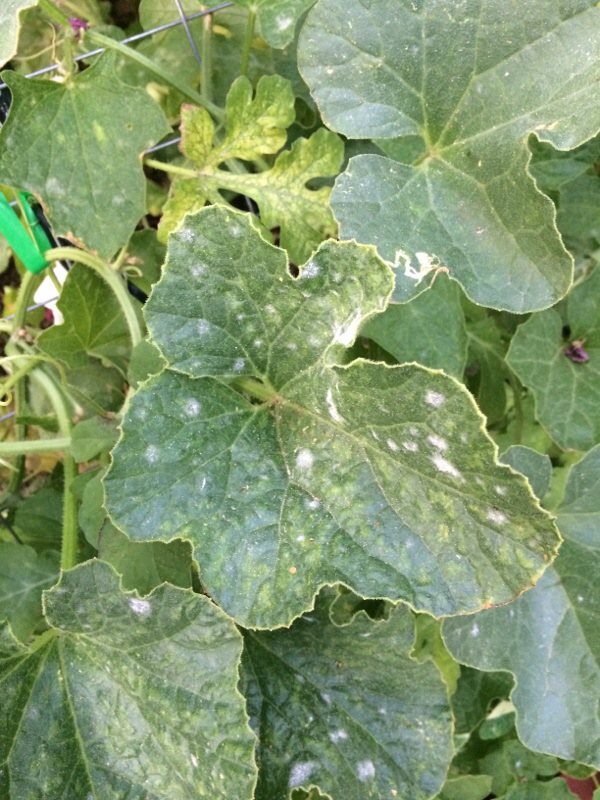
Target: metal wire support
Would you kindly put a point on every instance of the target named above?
(183, 20)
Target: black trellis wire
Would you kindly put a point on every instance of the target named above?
(183, 20)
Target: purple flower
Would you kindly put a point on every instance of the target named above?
(78, 24)
(576, 352)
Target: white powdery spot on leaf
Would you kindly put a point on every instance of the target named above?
(434, 399)
(283, 23)
(338, 736)
(496, 516)
(412, 447)
(198, 270)
(192, 407)
(445, 466)
(141, 607)
(475, 629)
(238, 365)
(346, 334)
(313, 504)
(311, 270)
(194, 760)
(203, 327)
(152, 454)
(185, 235)
(365, 770)
(326, 698)
(392, 445)
(304, 459)
(438, 442)
(300, 773)
(501, 490)
(333, 412)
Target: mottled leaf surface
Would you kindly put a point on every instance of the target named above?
(9, 26)
(566, 392)
(23, 576)
(471, 81)
(257, 125)
(548, 638)
(93, 342)
(377, 477)
(88, 174)
(127, 697)
(346, 709)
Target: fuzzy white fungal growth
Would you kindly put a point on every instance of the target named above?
(445, 466)
(304, 459)
(138, 606)
(300, 773)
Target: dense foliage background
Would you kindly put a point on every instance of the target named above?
(321, 517)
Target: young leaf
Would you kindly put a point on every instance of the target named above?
(360, 718)
(254, 127)
(91, 436)
(278, 18)
(93, 342)
(127, 697)
(9, 26)
(88, 173)
(378, 477)
(548, 637)
(564, 386)
(23, 576)
(472, 81)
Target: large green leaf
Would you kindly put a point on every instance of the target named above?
(346, 709)
(23, 576)
(9, 26)
(430, 330)
(472, 81)
(93, 342)
(548, 638)
(257, 126)
(381, 478)
(126, 697)
(88, 173)
(566, 392)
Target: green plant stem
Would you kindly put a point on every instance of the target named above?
(70, 528)
(173, 169)
(248, 41)
(113, 279)
(100, 40)
(206, 59)
(256, 389)
(54, 12)
(28, 283)
(25, 446)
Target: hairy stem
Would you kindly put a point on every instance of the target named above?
(206, 59)
(256, 389)
(248, 41)
(70, 528)
(173, 169)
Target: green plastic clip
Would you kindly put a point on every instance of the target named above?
(29, 245)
